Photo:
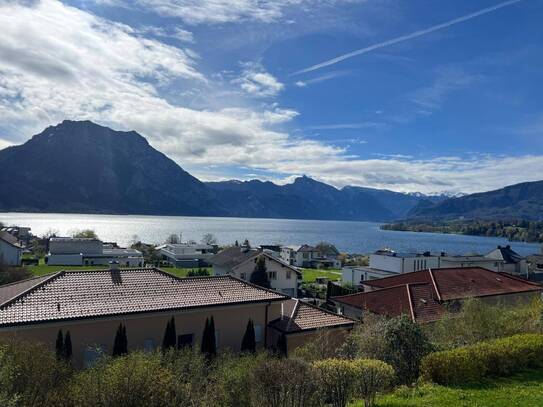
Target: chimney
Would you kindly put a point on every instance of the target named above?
(114, 265)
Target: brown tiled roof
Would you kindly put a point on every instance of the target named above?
(86, 294)
(299, 316)
(458, 283)
(11, 290)
(421, 294)
(416, 300)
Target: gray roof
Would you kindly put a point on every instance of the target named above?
(233, 256)
(70, 295)
(9, 238)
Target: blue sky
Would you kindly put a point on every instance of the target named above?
(446, 97)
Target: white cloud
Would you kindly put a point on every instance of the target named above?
(60, 62)
(255, 81)
(229, 11)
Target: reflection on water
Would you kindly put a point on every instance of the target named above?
(353, 237)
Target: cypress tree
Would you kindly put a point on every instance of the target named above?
(59, 345)
(170, 335)
(68, 346)
(282, 345)
(259, 276)
(248, 343)
(209, 345)
(121, 343)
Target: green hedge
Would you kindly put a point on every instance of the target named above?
(500, 357)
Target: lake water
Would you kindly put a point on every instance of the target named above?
(352, 237)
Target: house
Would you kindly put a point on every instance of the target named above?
(427, 295)
(308, 256)
(11, 251)
(299, 321)
(69, 251)
(356, 275)
(92, 304)
(22, 234)
(240, 262)
(508, 261)
(187, 254)
(395, 262)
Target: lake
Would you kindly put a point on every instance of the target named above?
(348, 236)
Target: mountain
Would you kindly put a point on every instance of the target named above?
(305, 198)
(520, 201)
(79, 166)
(84, 167)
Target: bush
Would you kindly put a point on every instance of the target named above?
(500, 357)
(478, 321)
(397, 341)
(337, 380)
(285, 383)
(371, 376)
(129, 381)
(10, 274)
(30, 374)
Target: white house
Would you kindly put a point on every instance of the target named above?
(307, 256)
(10, 250)
(356, 275)
(391, 261)
(241, 261)
(187, 254)
(68, 251)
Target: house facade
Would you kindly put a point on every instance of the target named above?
(68, 251)
(309, 257)
(187, 254)
(240, 262)
(395, 262)
(91, 305)
(11, 251)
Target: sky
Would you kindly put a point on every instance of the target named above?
(432, 96)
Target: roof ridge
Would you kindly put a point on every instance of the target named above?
(434, 282)
(254, 285)
(31, 289)
(410, 300)
(293, 314)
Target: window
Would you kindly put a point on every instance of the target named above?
(305, 255)
(149, 345)
(289, 272)
(272, 275)
(243, 276)
(185, 341)
(258, 333)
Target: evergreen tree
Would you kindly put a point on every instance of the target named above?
(120, 345)
(259, 276)
(248, 343)
(170, 335)
(59, 345)
(68, 346)
(282, 345)
(209, 345)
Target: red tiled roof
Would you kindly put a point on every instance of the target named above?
(458, 283)
(86, 294)
(299, 316)
(420, 294)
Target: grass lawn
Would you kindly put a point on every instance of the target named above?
(310, 275)
(43, 268)
(524, 389)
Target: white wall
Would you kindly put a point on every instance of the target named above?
(397, 264)
(65, 259)
(9, 254)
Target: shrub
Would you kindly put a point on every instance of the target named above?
(371, 377)
(500, 357)
(30, 374)
(323, 345)
(397, 341)
(285, 383)
(478, 321)
(336, 379)
(133, 380)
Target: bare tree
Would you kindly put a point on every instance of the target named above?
(209, 239)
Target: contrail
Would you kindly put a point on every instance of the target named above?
(406, 37)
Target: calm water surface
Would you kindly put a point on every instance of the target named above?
(353, 237)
